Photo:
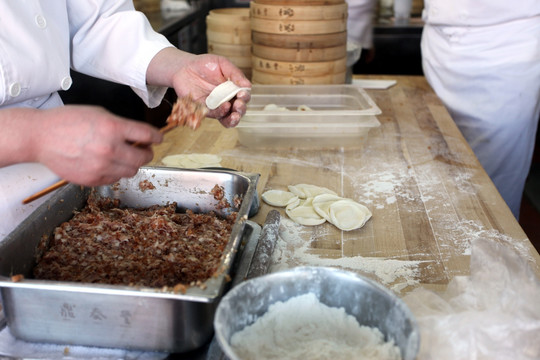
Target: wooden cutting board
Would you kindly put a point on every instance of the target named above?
(429, 196)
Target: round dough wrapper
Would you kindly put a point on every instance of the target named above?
(294, 203)
(278, 198)
(274, 107)
(321, 204)
(304, 214)
(192, 161)
(304, 108)
(223, 93)
(304, 191)
(348, 215)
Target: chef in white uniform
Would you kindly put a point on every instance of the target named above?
(360, 25)
(42, 141)
(482, 58)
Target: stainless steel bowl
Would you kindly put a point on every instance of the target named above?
(371, 304)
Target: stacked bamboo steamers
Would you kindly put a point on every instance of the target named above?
(228, 32)
(298, 42)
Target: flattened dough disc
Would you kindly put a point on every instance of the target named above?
(321, 204)
(304, 214)
(348, 215)
(192, 161)
(304, 191)
(279, 198)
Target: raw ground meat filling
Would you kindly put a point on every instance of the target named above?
(154, 247)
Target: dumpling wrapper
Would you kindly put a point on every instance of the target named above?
(192, 161)
(304, 108)
(304, 214)
(278, 198)
(223, 93)
(348, 215)
(321, 204)
(274, 107)
(304, 191)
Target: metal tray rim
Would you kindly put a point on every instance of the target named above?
(214, 285)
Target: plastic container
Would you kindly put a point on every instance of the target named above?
(338, 116)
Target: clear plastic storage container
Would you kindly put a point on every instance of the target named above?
(307, 116)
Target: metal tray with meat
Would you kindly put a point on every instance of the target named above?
(131, 316)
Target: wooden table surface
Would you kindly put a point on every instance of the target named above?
(429, 196)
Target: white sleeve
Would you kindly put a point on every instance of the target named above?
(112, 41)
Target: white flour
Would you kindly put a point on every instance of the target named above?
(293, 250)
(304, 328)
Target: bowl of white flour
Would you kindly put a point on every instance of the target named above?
(315, 313)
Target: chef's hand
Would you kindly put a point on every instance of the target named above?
(198, 75)
(90, 146)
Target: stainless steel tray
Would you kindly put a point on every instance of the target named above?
(120, 316)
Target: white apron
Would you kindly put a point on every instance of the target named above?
(488, 76)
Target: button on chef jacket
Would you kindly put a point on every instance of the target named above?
(39, 42)
(482, 58)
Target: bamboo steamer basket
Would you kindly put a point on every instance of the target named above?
(281, 12)
(228, 37)
(299, 27)
(229, 26)
(260, 77)
(235, 14)
(316, 68)
(299, 54)
(228, 32)
(299, 41)
(229, 49)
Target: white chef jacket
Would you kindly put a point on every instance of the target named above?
(360, 22)
(39, 42)
(482, 58)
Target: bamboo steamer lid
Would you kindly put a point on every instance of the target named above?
(228, 32)
(234, 14)
(299, 54)
(229, 26)
(260, 77)
(306, 41)
(229, 49)
(316, 68)
(293, 12)
(299, 26)
(300, 2)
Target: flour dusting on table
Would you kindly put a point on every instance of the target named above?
(293, 250)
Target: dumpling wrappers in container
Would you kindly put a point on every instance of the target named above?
(223, 93)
